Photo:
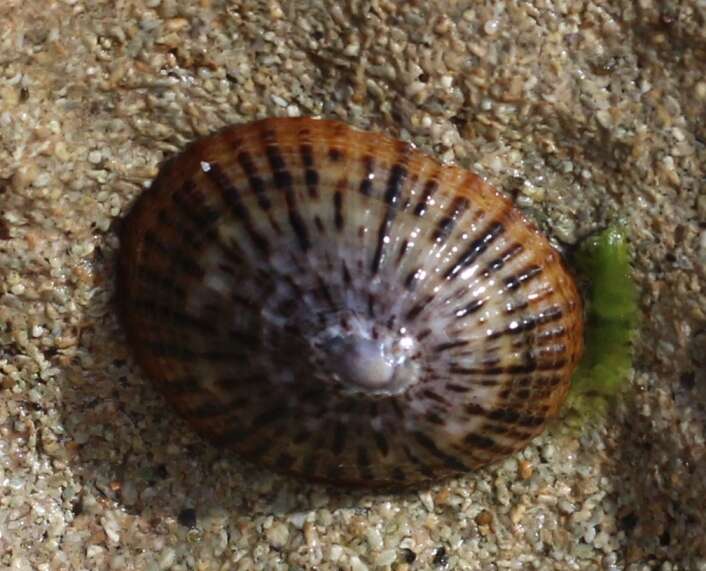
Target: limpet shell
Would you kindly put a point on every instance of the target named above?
(338, 305)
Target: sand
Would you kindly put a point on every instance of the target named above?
(586, 112)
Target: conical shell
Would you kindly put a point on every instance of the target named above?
(336, 304)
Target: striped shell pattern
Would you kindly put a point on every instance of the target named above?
(336, 304)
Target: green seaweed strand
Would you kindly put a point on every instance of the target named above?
(603, 261)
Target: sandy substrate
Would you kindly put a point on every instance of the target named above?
(584, 111)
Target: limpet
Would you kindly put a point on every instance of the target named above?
(337, 305)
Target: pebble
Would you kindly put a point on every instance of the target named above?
(111, 527)
(278, 535)
(357, 564)
(128, 493)
(525, 469)
(297, 519)
(491, 27)
(167, 558)
(374, 538)
(484, 518)
(335, 552)
(279, 101)
(700, 91)
(427, 500)
(386, 557)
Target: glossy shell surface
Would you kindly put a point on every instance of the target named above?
(338, 305)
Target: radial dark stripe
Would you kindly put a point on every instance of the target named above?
(346, 274)
(398, 474)
(446, 224)
(151, 238)
(334, 472)
(239, 299)
(162, 348)
(514, 307)
(363, 456)
(431, 395)
(483, 442)
(232, 354)
(256, 183)
(236, 382)
(397, 408)
(276, 413)
(338, 443)
(191, 205)
(301, 436)
(555, 333)
(411, 280)
(480, 441)
(190, 233)
(531, 322)
(430, 189)
(231, 196)
(381, 442)
(311, 178)
(175, 317)
(281, 177)
(283, 181)
(338, 218)
(414, 312)
(428, 444)
(297, 223)
(184, 261)
(307, 155)
(475, 249)
(366, 184)
(398, 174)
(310, 463)
(395, 182)
(154, 278)
(470, 308)
(512, 416)
(507, 431)
(364, 465)
(419, 464)
(371, 305)
(324, 292)
(187, 384)
(434, 418)
(455, 388)
(539, 296)
(474, 409)
(503, 258)
(523, 277)
(284, 461)
(552, 351)
(233, 436)
(404, 247)
(268, 134)
(259, 447)
(511, 369)
(211, 410)
(450, 345)
(311, 175)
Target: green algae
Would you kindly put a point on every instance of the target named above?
(602, 262)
